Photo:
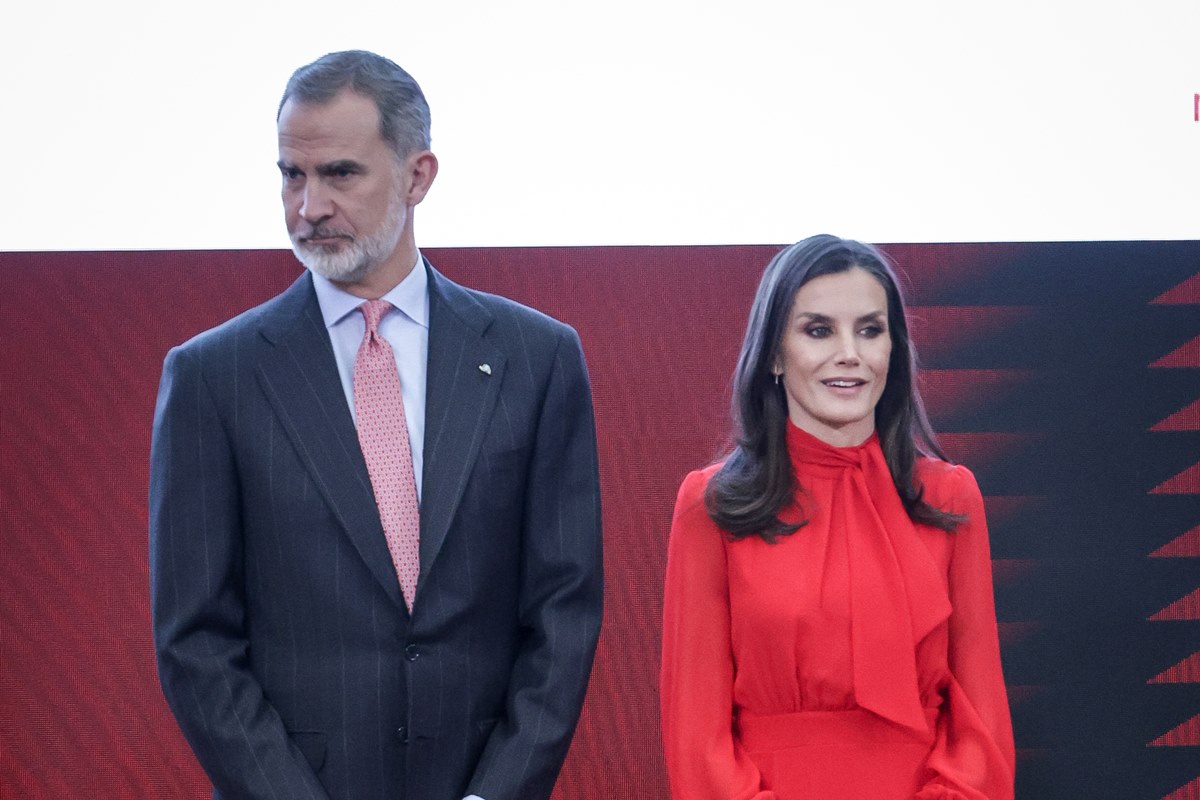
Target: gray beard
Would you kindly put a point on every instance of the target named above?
(350, 265)
(360, 257)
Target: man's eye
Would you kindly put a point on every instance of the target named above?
(290, 173)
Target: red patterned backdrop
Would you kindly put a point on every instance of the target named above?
(1066, 375)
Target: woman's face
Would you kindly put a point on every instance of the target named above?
(834, 356)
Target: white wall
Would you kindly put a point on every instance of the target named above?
(133, 124)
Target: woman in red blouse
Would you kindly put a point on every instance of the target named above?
(828, 626)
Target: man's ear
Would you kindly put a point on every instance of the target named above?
(422, 168)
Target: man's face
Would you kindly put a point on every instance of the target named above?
(344, 190)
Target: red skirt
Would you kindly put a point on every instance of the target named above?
(836, 755)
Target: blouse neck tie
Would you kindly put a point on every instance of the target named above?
(896, 596)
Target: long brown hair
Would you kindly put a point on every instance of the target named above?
(756, 481)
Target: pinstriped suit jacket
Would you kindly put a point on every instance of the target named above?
(284, 646)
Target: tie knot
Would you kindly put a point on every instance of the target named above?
(373, 311)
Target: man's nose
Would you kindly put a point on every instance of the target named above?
(316, 203)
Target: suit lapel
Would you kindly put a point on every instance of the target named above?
(302, 384)
(462, 383)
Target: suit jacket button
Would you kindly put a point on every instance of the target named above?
(412, 652)
(402, 734)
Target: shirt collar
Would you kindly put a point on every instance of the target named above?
(410, 296)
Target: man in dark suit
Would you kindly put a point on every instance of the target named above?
(317, 635)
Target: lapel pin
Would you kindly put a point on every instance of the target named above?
(486, 369)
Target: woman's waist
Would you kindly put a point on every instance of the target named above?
(801, 728)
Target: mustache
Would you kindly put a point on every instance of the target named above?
(319, 232)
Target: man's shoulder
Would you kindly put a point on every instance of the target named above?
(501, 316)
(511, 312)
(246, 326)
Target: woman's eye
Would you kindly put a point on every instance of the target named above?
(871, 331)
(818, 331)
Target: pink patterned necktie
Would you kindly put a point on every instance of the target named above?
(383, 436)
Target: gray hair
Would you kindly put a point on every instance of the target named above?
(403, 112)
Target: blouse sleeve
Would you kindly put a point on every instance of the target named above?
(973, 756)
(703, 761)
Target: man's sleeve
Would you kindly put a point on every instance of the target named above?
(196, 587)
(561, 592)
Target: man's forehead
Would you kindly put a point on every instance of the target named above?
(348, 119)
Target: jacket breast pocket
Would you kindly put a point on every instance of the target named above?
(500, 477)
(513, 462)
(311, 745)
